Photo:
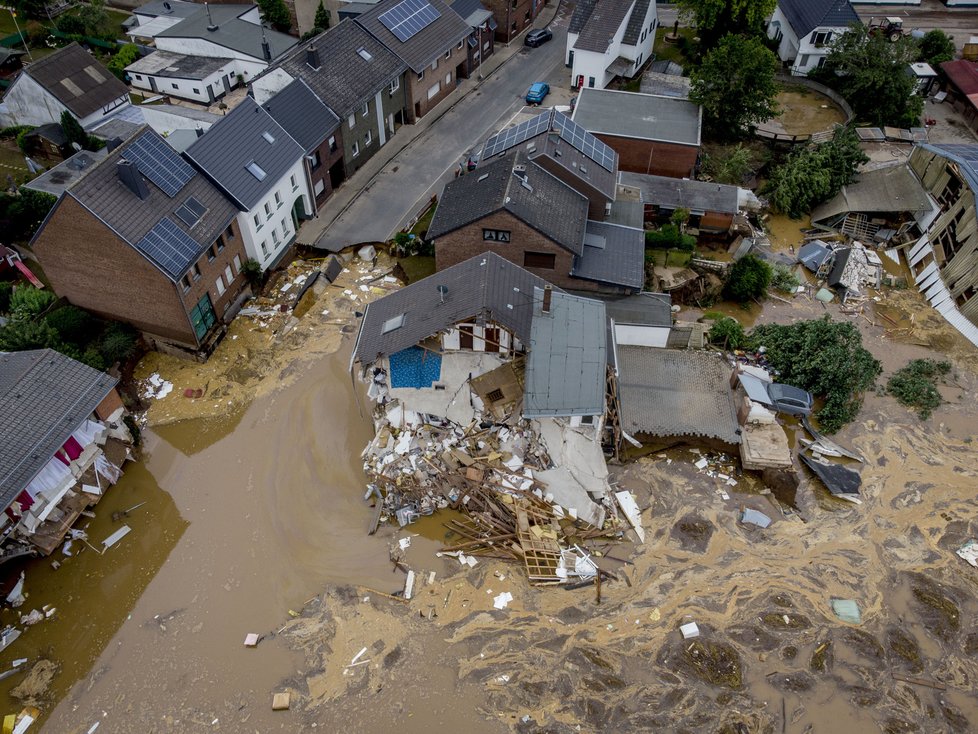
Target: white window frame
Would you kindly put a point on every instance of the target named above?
(420, 75)
(368, 139)
(219, 283)
(366, 109)
(237, 264)
(295, 184)
(395, 84)
(352, 120)
(356, 148)
(278, 200)
(258, 222)
(268, 209)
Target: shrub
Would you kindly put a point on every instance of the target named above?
(70, 24)
(26, 303)
(6, 291)
(668, 237)
(19, 335)
(125, 56)
(784, 279)
(252, 272)
(747, 279)
(915, 385)
(727, 333)
(73, 325)
(118, 343)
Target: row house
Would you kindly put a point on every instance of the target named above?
(514, 16)
(143, 238)
(481, 42)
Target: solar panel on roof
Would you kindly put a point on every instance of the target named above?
(512, 136)
(408, 18)
(169, 247)
(158, 162)
(584, 141)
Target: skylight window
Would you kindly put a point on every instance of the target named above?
(268, 137)
(255, 170)
(364, 54)
(393, 324)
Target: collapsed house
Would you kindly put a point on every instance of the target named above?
(491, 392)
(850, 269)
(64, 443)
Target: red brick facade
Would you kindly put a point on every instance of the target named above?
(93, 268)
(325, 157)
(513, 16)
(109, 405)
(444, 72)
(653, 157)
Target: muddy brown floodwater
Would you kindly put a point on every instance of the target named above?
(258, 525)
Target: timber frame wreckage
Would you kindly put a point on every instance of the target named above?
(499, 395)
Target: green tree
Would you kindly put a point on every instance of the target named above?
(74, 132)
(747, 279)
(22, 213)
(118, 343)
(92, 15)
(70, 24)
(735, 85)
(727, 333)
(36, 9)
(715, 18)
(6, 291)
(871, 73)
(825, 357)
(125, 56)
(252, 272)
(915, 385)
(936, 47)
(74, 326)
(815, 173)
(26, 303)
(729, 166)
(322, 17)
(784, 279)
(277, 13)
(20, 335)
(669, 237)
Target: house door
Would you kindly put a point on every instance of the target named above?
(492, 339)
(465, 337)
(298, 212)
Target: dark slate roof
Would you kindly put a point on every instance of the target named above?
(612, 254)
(169, 64)
(582, 12)
(426, 45)
(169, 8)
(235, 141)
(601, 26)
(636, 115)
(813, 254)
(636, 22)
(52, 132)
(674, 193)
(807, 15)
(669, 392)
(77, 80)
(232, 32)
(297, 109)
(642, 309)
(344, 79)
(44, 397)
(486, 285)
(549, 205)
(472, 12)
(576, 163)
(566, 371)
(103, 193)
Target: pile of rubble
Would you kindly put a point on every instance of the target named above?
(490, 472)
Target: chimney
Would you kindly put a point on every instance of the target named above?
(210, 21)
(129, 175)
(113, 144)
(266, 50)
(312, 57)
(200, 131)
(548, 292)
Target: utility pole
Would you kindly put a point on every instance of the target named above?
(479, 61)
(13, 14)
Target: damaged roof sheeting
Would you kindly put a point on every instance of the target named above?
(813, 254)
(612, 254)
(890, 189)
(567, 368)
(487, 286)
(44, 397)
(676, 193)
(668, 392)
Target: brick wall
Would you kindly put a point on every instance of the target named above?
(109, 405)
(597, 201)
(513, 18)
(209, 270)
(460, 245)
(652, 157)
(418, 104)
(327, 158)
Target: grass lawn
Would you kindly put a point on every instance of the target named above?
(669, 51)
(422, 224)
(417, 267)
(7, 27)
(669, 258)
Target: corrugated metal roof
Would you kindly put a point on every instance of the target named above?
(964, 154)
(636, 115)
(224, 151)
(891, 189)
(44, 397)
(602, 25)
(486, 285)
(642, 309)
(666, 392)
(682, 193)
(566, 370)
(807, 15)
(428, 44)
(76, 79)
(297, 109)
(612, 254)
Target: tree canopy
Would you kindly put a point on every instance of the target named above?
(277, 13)
(716, 18)
(748, 279)
(871, 73)
(936, 47)
(322, 17)
(814, 174)
(825, 357)
(735, 85)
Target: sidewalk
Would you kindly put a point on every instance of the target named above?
(312, 231)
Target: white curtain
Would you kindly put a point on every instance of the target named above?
(88, 432)
(50, 477)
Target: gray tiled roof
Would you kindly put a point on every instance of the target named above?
(472, 12)
(635, 115)
(102, 193)
(641, 309)
(44, 397)
(807, 15)
(169, 8)
(600, 28)
(426, 45)
(344, 79)
(668, 392)
(612, 254)
(486, 285)
(674, 193)
(891, 189)
(566, 370)
(169, 64)
(576, 163)
(235, 141)
(232, 32)
(636, 22)
(77, 80)
(582, 12)
(550, 206)
(297, 109)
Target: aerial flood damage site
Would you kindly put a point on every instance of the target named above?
(595, 366)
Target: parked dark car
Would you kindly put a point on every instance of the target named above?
(790, 400)
(538, 37)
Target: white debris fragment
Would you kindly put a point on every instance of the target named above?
(156, 387)
(501, 601)
(689, 630)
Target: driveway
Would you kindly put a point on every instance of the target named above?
(399, 191)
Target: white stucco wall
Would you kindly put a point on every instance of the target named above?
(185, 88)
(275, 231)
(641, 336)
(28, 103)
(248, 66)
(788, 48)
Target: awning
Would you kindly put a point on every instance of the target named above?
(620, 66)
